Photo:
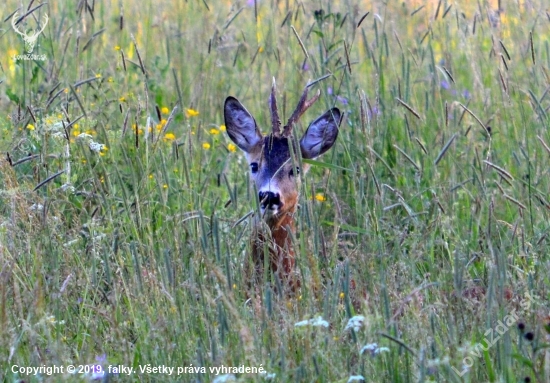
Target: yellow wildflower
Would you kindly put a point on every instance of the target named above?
(205, 145)
(150, 176)
(110, 79)
(232, 148)
(320, 197)
(222, 128)
(191, 113)
(164, 110)
(122, 99)
(30, 127)
(342, 295)
(214, 131)
(117, 48)
(169, 137)
(134, 128)
(165, 186)
(98, 75)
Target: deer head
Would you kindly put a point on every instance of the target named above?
(29, 39)
(269, 157)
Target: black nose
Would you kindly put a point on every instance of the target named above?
(269, 199)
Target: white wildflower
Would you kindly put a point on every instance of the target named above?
(356, 378)
(373, 349)
(84, 135)
(96, 146)
(355, 323)
(37, 206)
(224, 378)
(54, 127)
(58, 135)
(316, 322)
(68, 187)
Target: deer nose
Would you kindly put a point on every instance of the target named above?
(269, 199)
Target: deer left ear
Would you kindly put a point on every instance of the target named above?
(241, 126)
(321, 134)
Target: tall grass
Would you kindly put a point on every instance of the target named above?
(429, 218)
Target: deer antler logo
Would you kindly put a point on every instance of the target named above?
(28, 37)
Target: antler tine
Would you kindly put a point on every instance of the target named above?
(275, 121)
(14, 24)
(45, 23)
(303, 105)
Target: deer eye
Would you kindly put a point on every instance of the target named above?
(294, 172)
(254, 167)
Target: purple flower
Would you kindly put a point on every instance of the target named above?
(305, 66)
(445, 85)
(466, 94)
(374, 111)
(329, 90)
(343, 100)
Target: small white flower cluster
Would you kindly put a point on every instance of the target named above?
(224, 378)
(37, 206)
(315, 322)
(355, 323)
(373, 349)
(96, 146)
(68, 187)
(84, 135)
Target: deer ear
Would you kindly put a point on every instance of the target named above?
(241, 126)
(321, 134)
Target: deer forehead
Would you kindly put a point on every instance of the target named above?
(272, 157)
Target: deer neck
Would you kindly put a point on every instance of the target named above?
(277, 234)
(282, 229)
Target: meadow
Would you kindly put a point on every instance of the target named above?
(126, 211)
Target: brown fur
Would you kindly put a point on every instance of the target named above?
(277, 234)
(275, 176)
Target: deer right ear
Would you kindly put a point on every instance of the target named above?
(321, 134)
(241, 126)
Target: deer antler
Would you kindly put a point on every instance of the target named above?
(275, 122)
(303, 105)
(24, 34)
(43, 26)
(14, 25)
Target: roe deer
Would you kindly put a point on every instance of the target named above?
(275, 175)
